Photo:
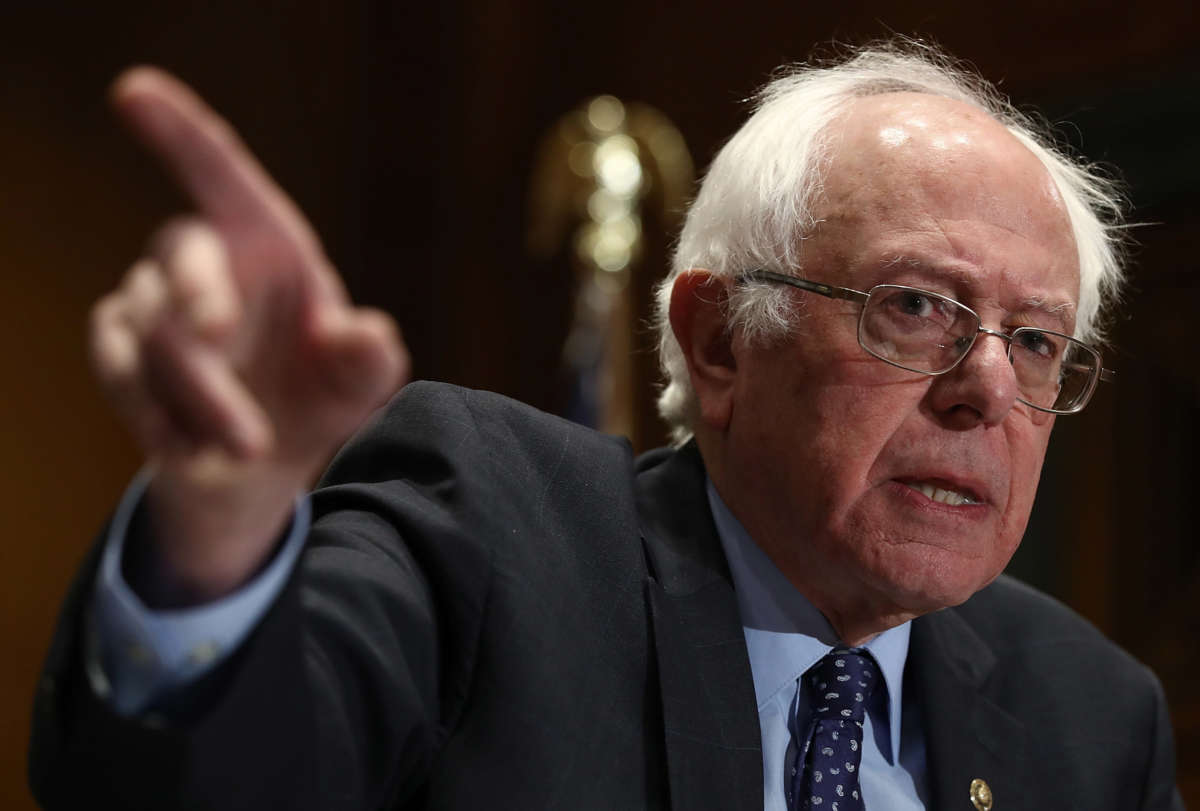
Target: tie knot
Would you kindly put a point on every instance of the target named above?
(841, 683)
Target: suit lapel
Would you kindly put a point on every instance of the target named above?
(713, 744)
(714, 757)
(967, 737)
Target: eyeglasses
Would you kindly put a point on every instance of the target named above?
(930, 334)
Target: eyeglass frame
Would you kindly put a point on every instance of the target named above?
(861, 298)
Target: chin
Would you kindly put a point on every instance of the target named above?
(924, 583)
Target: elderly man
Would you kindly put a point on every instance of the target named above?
(883, 296)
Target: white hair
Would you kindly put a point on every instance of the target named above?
(756, 203)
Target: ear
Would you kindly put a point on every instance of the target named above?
(698, 316)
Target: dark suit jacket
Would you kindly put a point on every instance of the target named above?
(500, 609)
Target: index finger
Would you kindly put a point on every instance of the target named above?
(206, 156)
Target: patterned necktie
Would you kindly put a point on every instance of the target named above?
(824, 774)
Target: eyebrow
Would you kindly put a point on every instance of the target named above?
(1062, 312)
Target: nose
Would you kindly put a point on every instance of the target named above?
(982, 388)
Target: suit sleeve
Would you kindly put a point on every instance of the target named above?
(342, 695)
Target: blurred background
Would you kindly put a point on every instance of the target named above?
(420, 140)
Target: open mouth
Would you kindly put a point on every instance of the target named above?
(944, 495)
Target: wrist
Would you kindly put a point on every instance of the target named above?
(199, 537)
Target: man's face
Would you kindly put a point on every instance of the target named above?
(829, 453)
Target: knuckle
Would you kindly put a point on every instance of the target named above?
(164, 241)
(136, 277)
(143, 282)
(146, 303)
(104, 313)
(196, 265)
(200, 285)
(113, 347)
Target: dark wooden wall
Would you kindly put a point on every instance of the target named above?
(406, 131)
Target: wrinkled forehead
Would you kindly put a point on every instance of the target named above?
(915, 148)
(920, 164)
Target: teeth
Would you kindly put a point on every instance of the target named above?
(951, 497)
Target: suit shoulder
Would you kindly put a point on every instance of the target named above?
(424, 401)
(1020, 622)
(430, 423)
(1010, 612)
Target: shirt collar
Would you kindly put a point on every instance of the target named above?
(785, 633)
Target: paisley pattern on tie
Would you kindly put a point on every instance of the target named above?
(838, 687)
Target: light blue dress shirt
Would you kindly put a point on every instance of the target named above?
(137, 654)
(785, 636)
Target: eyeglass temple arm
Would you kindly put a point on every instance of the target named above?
(827, 290)
(1107, 375)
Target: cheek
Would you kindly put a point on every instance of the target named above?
(860, 425)
(809, 430)
(1028, 441)
(827, 470)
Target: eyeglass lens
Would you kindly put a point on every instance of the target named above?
(925, 332)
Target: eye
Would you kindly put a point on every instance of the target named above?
(912, 302)
(1039, 344)
(917, 309)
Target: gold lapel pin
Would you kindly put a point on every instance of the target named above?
(981, 795)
